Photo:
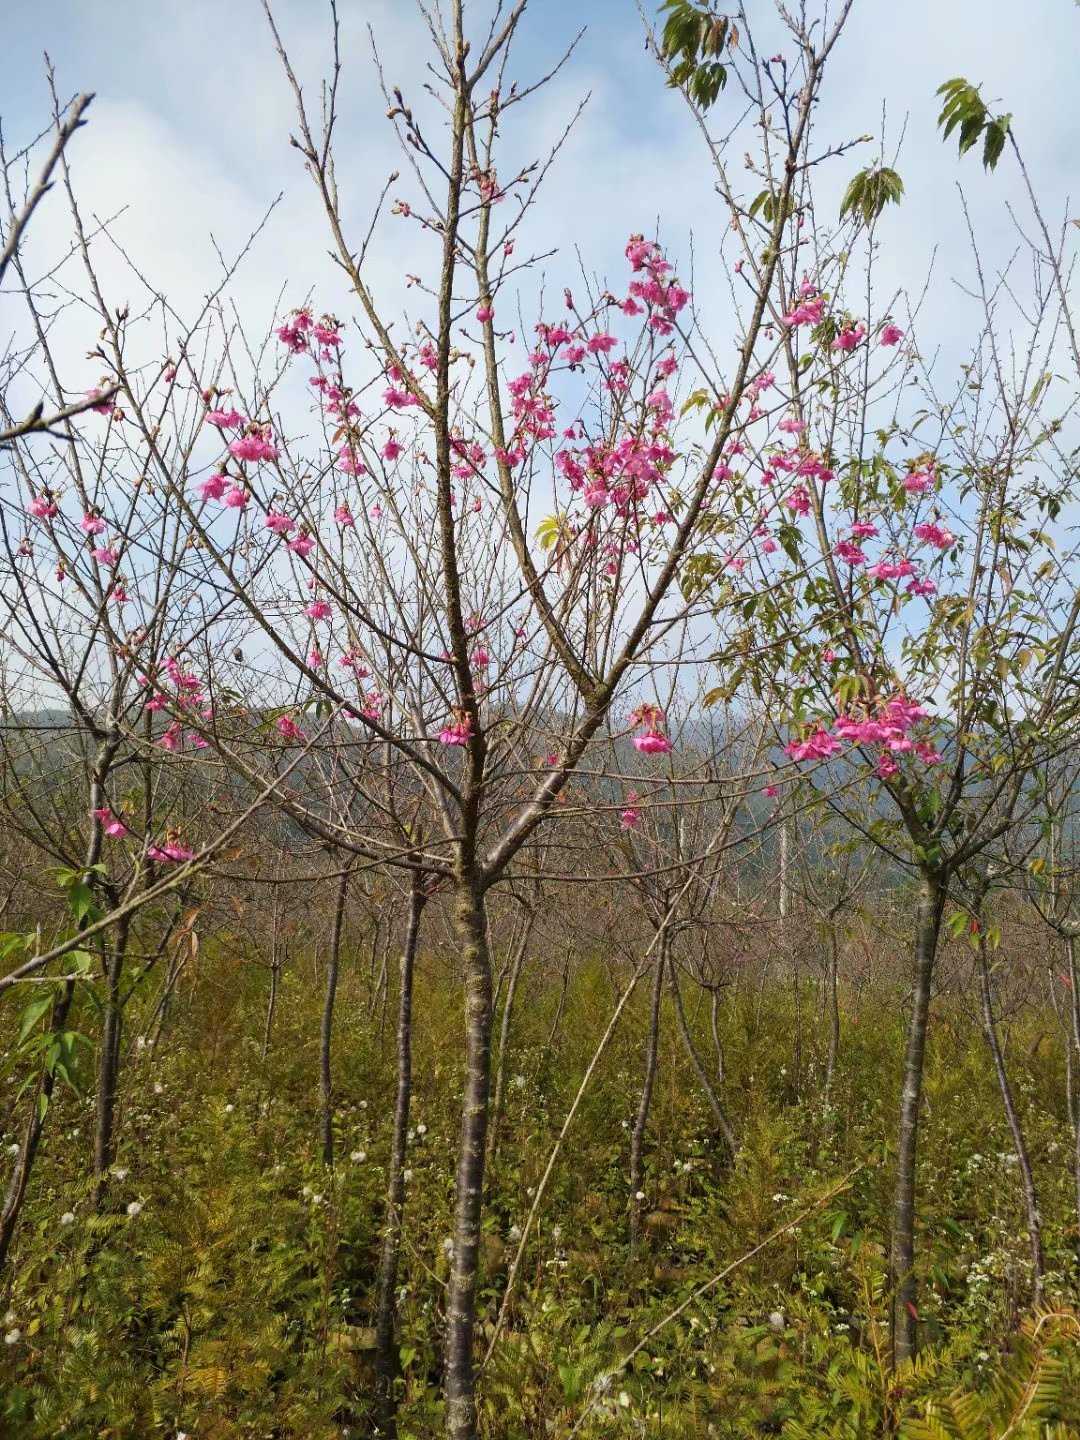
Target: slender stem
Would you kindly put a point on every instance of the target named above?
(386, 1354)
(327, 1028)
(902, 1254)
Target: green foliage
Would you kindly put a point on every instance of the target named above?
(965, 110)
(1025, 1397)
(238, 1301)
(694, 37)
(869, 192)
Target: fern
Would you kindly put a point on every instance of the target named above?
(1023, 1398)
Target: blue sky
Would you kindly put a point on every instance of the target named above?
(190, 131)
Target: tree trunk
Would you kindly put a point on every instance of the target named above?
(386, 1355)
(902, 1254)
(833, 1000)
(271, 1006)
(723, 1124)
(471, 927)
(516, 964)
(1074, 1003)
(1016, 1129)
(35, 1124)
(109, 1066)
(564, 991)
(714, 1025)
(326, 1083)
(637, 1138)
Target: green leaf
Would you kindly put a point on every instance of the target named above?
(869, 192)
(692, 40)
(966, 110)
(32, 1014)
(994, 142)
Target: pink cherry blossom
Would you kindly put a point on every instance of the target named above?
(111, 824)
(820, 745)
(225, 419)
(326, 335)
(173, 737)
(253, 447)
(934, 534)
(923, 587)
(349, 463)
(289, 730)
(172, 850)
(808, 310)
(456, 733)
(652, 743)
(102, 403)
(213, 487)
(42, 507)
(292, 335)
(630, 817)
(798, 502)
(849, 552)
(891, 334)
(918, 482)
(849, 337)
(891, 569)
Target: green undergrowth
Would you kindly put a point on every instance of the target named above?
(226, 1289)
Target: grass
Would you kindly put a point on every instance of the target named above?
(237, 1301)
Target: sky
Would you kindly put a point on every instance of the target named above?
(189, 136)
